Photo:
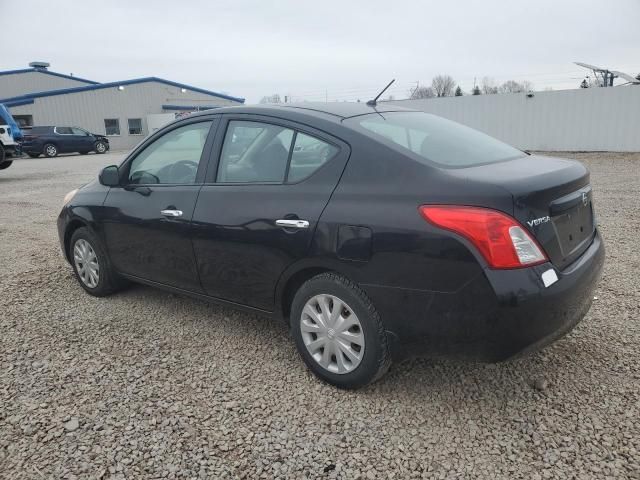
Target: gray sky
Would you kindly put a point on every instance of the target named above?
(342, 50)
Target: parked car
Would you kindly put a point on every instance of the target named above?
(10, 136)
(52, 140)
(393, 232)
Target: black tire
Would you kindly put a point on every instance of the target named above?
(2, 153)
(375, 360)
(108, 281)
(33, 155)
(50, 150)
(5, 164)
(100, 147)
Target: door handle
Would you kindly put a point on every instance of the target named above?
(301, 224)
(171, 213)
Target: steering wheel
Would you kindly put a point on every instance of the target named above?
(183, 171)
(142, 176)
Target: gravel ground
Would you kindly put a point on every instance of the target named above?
(149, 384)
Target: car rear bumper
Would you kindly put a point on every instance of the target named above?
(497, 315)
(31, 147)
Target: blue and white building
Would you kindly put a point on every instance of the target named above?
(126, 111)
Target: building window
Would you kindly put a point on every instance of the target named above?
(112, 126)
(135, 126)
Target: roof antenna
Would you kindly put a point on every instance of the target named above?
(372, 103)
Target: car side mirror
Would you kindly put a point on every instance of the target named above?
(109, 176)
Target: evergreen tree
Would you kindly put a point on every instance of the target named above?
(584, 84)
(459, 91)
(476, 91)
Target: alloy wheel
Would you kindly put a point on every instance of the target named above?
(86, 262)
(51, 151)
(332, 333)
(100, 147)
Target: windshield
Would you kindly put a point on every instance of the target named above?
(434, 138)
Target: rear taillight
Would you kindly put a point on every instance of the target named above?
(498, 237)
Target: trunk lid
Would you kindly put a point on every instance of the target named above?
(552, 199)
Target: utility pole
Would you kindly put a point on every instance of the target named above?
(416, 88)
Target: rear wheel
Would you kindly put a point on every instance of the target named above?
(50, 150)
(101, 147)
(338, 332)
(91, 264)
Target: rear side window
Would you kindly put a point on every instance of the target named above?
(64, 131)
(257, 152)
(434, 139)
(309, 154)
(254, 152)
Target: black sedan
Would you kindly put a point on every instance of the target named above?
(375, 232)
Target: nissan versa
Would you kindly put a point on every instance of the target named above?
(373, 231)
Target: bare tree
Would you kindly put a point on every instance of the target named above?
(527, 86)
(443, 85)
(488, 86)
(275, 98)
(421, 92)
(511, 86)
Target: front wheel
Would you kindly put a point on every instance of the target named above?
(50, 150)
(91, 264)
(338, 332)
(6, 164)
(101, 147)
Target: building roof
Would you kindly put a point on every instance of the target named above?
(47, 72)
(64, 91)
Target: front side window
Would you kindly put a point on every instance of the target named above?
(309, 154)
(434, 139)
(112, 126)
(254, 152)
(173, 158)
(135, 126)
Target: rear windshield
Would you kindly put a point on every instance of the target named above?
(434, 139)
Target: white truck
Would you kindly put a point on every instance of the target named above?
(10, 136)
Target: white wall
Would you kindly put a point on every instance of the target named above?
(593, 119)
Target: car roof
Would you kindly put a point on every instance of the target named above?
(336, 111)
